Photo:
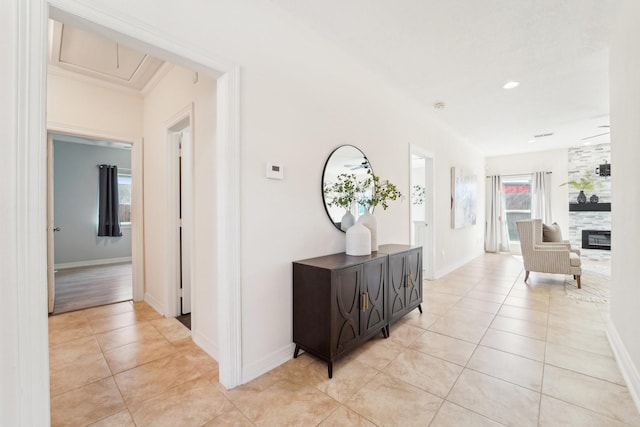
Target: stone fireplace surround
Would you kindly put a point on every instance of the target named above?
(582, 159)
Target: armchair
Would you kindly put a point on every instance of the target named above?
(546, 257)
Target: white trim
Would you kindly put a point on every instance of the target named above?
(137, 186)
(452, 267)
(137, 219)
(267, 363)
(73, 130)
(153, 302)
(179, 121)
(56, 70)
(205, 343)
(32, 389)
(139, 35)
(157, 78)
(228, 228)
(430, 164)
(91, 262)
(625, 363)
(51, 277)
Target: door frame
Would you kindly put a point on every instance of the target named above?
(51, 276)
(137, 202)
(30, 53)
(429, 258)
(180, 120)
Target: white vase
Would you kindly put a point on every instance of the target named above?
(347, 221)
(369, 221)
(358, 240)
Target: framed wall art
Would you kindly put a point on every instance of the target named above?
(464, 192)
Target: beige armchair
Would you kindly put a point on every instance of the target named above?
(546, 257)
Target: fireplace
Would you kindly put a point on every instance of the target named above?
(596, 239)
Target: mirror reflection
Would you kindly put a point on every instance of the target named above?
(344, 173)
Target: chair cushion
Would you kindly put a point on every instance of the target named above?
(551, 233)
(574, 260)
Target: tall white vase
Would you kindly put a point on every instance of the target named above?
(358, 240)
(347, 221)
(369, 221)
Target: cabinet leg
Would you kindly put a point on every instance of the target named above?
(330, 369)
(420, 308)
(297, 350)
(384, 332)
(388, 334)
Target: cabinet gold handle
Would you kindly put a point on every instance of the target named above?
(363, 303)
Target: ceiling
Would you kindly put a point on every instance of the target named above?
(82, 52)
(462, 52)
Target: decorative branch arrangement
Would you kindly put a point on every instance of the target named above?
(348, 189)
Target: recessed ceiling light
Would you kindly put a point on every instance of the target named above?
(531, 141)
(511, 85)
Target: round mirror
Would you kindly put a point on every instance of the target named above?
(346, 169)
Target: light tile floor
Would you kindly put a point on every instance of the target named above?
(488, 350)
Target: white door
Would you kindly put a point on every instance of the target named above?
(51, 278)
(184, 198)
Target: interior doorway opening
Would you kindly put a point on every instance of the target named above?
(85, 269)
(180, 205)
(31, 346)
(422, 207)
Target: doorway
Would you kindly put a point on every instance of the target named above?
(30, 212)
(180, 205)
(85, 269)
(421, 182)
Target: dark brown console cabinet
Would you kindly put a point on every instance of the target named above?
(340, 301)
(405, 279)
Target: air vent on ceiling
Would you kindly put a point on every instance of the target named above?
(542, 135)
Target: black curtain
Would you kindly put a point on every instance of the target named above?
(109, 203)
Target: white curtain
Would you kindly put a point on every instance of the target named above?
(495, 239)
(541, 197)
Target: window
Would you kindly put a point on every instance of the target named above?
(124, 194)
(517, 203)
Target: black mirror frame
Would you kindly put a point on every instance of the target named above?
(322, 182)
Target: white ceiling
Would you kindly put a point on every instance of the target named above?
(461, 52)
(85, 53)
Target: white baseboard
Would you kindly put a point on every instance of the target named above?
(205, 343)
(267, 363)
(456, 265)
(90, 263)
(153, 302)
(627, 368)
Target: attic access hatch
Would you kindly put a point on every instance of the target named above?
(86, 53)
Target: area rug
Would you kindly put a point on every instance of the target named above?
(596, 280)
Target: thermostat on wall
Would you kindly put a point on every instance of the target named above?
(275, 171)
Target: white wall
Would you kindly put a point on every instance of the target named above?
(170, 96)
(94, 108)
(625, 175)
(300, 98)
(555, 161)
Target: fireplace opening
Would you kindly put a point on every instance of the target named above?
(596, 239)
